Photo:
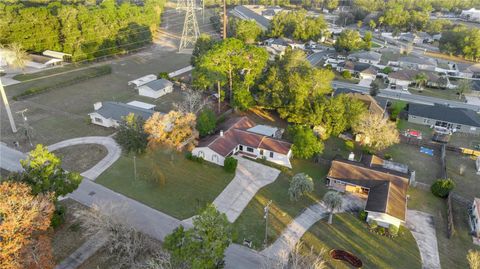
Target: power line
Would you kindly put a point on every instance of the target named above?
(190, 31)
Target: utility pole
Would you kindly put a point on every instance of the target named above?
(190, 31)
(224, 19)
(26, 126)
(135, 167)
(7, 108)
(265, 216)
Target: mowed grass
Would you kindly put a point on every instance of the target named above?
(427, 168)
(447, 94)
(167, 181)
(251, 224)
(468, 183)
(349, 233)
(47, 72)
(453, 251)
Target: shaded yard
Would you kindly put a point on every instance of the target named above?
(167, 181)
(349, 233)
(464, 140)
(251, 224)
(69, 236)
(452, 251)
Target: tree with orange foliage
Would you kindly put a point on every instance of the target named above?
(175, 129)
(24, 224)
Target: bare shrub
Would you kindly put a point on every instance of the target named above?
(299, 258)
(128, 247)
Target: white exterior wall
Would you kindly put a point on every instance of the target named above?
(383, 219)
(208, 155)
(368, 61)
(146, 91)
(278, 158)
(100, 120)
(403, 84)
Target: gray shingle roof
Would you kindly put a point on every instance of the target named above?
(253, 16)
(158, 84)
(444, 113)
(116, 110)
(369, 55)
(417, 60)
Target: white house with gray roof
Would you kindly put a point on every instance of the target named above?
(369, 57)
(110, 114)
(155, 89)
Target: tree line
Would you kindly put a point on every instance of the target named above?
(86, 31)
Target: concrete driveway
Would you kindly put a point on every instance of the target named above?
(423, 230)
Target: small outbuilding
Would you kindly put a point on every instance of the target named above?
(110, 114)
(156, 89)
(142, 81)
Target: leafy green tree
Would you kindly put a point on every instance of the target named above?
(333, 201)
(331, 4)
(236, 64)
(340, 113)
(203, 44)
(367, 39)
(246, 30)
(372, 24)
(349, 40)
(204, 245)
(206, 122)
(374, 88)
(305, 143)
(131, 135)
(420, 79)
(43, 172)
(346, 74)
(300, 185)
(297, 25)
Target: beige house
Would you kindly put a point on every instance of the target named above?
(383, 184)
(475, 217)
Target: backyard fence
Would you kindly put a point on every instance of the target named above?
(450, 227)
(443, 158)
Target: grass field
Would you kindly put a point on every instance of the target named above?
(468, 184)
(80, 158)
(447, 94)
(453, 250)
(251, 224)
(167, 181)
(349, 233)
(427, 168)
(47, 72)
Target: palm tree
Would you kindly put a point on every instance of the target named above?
(15, 57)
(464, 86)
(420, 79)
(333, 201)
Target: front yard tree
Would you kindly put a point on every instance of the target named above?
(131, 135)
(333, 201)
(246, 30)
(206, 122)
(44, 173)
(420, 79)
(25, 219)
(340, 114)
(305, 143)
(202, 45)
(204, 245)
(374, 88)
(464, 87)
(379, 133)
(175, 130)
(300, 185)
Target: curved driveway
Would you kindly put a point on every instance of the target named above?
(114, 152)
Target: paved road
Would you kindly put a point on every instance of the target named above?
(411, 98)
(10, 158)
(423, 230)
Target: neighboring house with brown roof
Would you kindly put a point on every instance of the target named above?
(382, 183)
(401, 79)
(358, 69)
(475, 217)
(236, 137)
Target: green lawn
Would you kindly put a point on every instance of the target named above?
(467, 184)
(427, 168)
(48, 72)
(251, 224)
(453, 250)
(349, 233)
(447, 94)
(427, 132)
(167, 181)
(464, 140)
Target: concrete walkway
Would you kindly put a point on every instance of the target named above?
(294, 231)
(249, 178)
(82, 253)
(423, 230)
(10, 158)
(114, 152)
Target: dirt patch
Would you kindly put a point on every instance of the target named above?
(69, 236)
(80, 158)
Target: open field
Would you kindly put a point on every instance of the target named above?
(69, 236)
(348, 233)
(251, 224)
(47, 72)
(468, 184)
(452, 251)
(61, 113)
(167, 181)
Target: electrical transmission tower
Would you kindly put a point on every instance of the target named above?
(190, 31)
(181, 5)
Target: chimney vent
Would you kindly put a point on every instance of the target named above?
(351, 156)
